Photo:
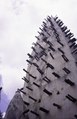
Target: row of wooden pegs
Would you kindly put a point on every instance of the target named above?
(68, 34)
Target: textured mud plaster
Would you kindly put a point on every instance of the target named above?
(50, 88)
(16, 108)
(51, 76)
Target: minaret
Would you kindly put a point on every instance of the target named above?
(50, 89)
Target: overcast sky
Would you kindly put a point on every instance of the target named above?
(19, 22)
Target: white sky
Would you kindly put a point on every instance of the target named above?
(19, 22)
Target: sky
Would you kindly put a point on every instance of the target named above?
(19, 22)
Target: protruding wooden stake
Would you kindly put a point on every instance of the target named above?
(20, 89)
(36, 84)
(51, 56)
(26, 71)
(37, 37)
(61, 50)
(46, 79)
(66, 70)
(56, 105)
(56, 75)
(72, 45)
(26, 103)
(30, 56)
(35, 64)
(47, 92)
(74, 51)
(40, 46)
(29, 88)
(74, 100)
(72, 40)
(75, 46)
(65, 58)
(61, 23)
(25, 79)
(67, 31)
(29, 62)
(64, 28)
(40, 29)
(22, 92)
(40, 71)
(69, 82)
(44, 110)
(48, 42)
(32, 76)
(34, 113)
(56, 18)
(60, 43)
(50, 66)
(32, 98)
(52, 48)
(34, 49)
(26, 111)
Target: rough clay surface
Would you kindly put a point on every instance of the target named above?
(51, 81)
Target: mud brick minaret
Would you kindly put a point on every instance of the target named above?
(50, 88)
(51, 77)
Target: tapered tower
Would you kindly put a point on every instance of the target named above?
(50, 88)
(51, 80)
